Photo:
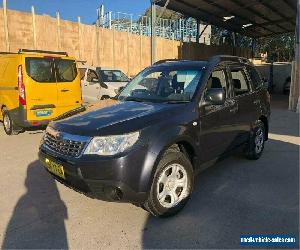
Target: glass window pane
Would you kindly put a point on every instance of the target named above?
(40, 69)
(66, 70)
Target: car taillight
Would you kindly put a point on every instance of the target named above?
(21, 87)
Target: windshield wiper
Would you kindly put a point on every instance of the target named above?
(177, 101)
(134, 99)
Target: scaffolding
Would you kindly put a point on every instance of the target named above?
(183, 29)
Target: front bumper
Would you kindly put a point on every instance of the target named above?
(113, 179)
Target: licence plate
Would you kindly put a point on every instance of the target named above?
(55, 168)
(42, 113)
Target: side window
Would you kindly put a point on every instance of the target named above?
(91, 75)
(217, 80)
(239, 81)
(255, 77)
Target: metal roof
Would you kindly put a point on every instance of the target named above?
(254, 18)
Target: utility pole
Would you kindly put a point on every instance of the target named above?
(153, 31)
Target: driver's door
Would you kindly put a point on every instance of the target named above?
(91, 87)
(217, 128)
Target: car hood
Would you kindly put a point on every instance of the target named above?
(120, 118)
(116, 85)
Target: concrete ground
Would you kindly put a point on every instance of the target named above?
(236, 196)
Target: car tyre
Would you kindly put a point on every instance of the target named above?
(256, 142)
(8, 124)
(170, 193)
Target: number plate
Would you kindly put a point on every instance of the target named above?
(55, 168)
(42, 113)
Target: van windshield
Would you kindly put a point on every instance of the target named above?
(113, 76)
(166, 85)
(45, 70)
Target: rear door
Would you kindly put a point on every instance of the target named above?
(40, 88)
(68, 85)
(245, 99)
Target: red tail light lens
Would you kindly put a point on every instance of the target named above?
(21, 86)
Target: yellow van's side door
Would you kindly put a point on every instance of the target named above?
(68, 85)
(40, 88)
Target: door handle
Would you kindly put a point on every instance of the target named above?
(65, 90)
(256, 102)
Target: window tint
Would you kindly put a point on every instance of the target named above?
(66, 70)
(91, 75)
(82, 73)
(255, 78)
(239, 82)
(40, 69)
(217, 80)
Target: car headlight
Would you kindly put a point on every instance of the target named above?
(111, 145)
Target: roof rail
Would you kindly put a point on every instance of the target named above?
(169, 60)
(42, 51)
(7, 53)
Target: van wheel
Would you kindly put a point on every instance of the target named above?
(256, 142)
(8, 125)
(172, 185)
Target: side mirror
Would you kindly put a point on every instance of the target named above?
(214, 97)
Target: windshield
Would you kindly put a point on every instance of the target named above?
(165, 85)
(113, 76)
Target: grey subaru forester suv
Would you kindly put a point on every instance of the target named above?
(171, 121)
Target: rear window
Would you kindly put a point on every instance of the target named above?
(40, 69)
(51, 70)
(66, 70)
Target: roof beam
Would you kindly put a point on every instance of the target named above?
(239, 16)
(258, 14)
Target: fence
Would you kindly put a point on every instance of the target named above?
(98, 46)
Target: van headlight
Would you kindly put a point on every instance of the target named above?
(111, 145)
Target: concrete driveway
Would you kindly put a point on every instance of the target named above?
(236, 196)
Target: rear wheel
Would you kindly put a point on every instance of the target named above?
(8, 124)
(172, 185)
(256, 142)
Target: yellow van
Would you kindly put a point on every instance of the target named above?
(35, 87)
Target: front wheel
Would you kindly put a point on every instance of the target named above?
(172, 185)
(256, 142)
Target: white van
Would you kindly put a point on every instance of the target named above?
(99, 83)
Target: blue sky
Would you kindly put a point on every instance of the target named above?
(86, 9)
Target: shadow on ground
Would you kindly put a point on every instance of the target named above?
(235, 197)
(41, 211)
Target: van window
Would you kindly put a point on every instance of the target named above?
(40, 69)
(66, 70)
(91, 75)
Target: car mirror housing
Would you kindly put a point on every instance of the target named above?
(214, 97)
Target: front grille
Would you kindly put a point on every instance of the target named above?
(64, 146)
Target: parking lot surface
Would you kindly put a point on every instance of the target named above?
(234, 197)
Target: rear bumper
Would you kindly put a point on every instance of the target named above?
(103, 180)
(19, 117)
